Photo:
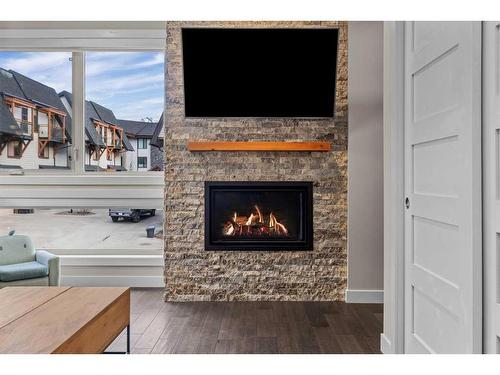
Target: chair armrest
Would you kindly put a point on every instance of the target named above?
(52, 263)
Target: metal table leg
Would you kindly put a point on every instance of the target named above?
(128, 343)
(128, 338)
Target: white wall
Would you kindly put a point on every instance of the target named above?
(365, 163)
(30, 159)
(131, 156)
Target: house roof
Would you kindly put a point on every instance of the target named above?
(5, 166)
(105, 114)
(19, 86)
(9, 85)
(126, 143)
(138, 129)
(8, 125)
(89, 128)
(95, 111)
(38, 93)
(157, 140)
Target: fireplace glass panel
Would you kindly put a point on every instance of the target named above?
(258, 216)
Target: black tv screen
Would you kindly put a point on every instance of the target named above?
(259, 72)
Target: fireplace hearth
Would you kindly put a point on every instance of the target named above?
(273, 216)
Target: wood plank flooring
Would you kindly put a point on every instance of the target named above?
(250, 327)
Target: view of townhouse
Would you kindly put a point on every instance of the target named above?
(36, 111)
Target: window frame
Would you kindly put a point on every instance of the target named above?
(142, 143)
(141, 165)
(76, 187)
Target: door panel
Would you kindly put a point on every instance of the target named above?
(443, 185)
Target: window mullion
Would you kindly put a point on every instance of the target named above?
(78, 112)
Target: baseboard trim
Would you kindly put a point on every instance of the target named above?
(364, 296)
(130, 281)
(385, 345)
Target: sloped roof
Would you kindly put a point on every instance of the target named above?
(157, 140)
(90, 131)
(126, 143)
(142, 129)
(5, 166)
(42, 95)
(68, 96)
(95, 111)
(38, 92)
(105, 114)
(9, 85)
(17, 85)
(8, 124)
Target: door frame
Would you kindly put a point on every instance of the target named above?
(393, 337)
(490, 89)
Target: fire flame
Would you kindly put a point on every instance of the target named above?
(254, 225)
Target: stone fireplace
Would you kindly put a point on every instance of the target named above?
(192, 273)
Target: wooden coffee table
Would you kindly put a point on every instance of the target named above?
(62, 319)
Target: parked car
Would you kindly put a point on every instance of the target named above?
(132, 214)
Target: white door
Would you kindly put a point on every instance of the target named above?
(442, 81)
(491, 185)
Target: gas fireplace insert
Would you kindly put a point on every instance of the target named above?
(273, 216)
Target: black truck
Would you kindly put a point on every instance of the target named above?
(132, 214)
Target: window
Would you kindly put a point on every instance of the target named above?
(78, 222)
(124, 92)
(142, 162)
(15, 149)
(89, 230)
(59, 60)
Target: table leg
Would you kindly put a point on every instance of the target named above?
(128, 344)
(128, 339)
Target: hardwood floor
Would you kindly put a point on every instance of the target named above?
(250, 327)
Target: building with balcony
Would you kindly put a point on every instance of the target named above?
(118, 144)
(35, 131)
(35, 128)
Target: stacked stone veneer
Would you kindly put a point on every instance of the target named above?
(191, 273)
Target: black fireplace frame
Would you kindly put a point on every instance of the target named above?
(306, 217)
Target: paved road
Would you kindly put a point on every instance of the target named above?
(51, 230)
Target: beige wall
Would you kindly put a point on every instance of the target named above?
(365, 154)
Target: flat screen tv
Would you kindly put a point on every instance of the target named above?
(259, 72)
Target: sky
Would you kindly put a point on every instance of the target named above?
(128, 83)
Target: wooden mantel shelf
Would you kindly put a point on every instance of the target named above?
(314, 146)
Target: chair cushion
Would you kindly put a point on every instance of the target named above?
(16, 249)
(21, 271)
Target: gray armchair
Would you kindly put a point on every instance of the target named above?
(22, 265)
